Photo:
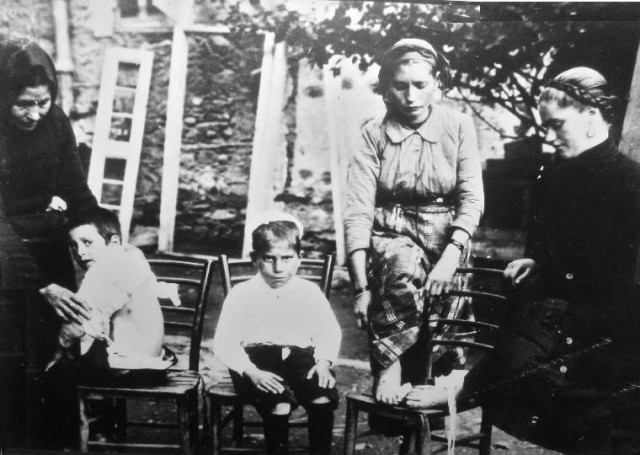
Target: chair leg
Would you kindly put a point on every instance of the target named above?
(409, 442)
(193, 417)
(424, 437)
(350, 428)
(238, 424)
(486, 428)
(120, 411)
(215, 430)
(184, 425)
(84, 426)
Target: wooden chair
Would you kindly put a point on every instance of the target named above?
(193, 275)
(478, 338)
(221, 394)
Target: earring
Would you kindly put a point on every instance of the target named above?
(591, 133)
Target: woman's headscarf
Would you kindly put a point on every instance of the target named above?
(395, 55)
(20, 61)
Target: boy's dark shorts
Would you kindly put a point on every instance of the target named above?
(94, 370)
(293, 369)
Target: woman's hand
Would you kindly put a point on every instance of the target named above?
(519, 270)
(66, 304)
(265, 381)
(439, 280)
(360, 307)
(322, 369)
(57, 204)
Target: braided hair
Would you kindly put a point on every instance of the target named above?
(581, 87)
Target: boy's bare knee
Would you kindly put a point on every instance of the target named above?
(321, 400)
(281, 409)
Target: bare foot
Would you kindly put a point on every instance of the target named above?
(427, 396)
(388, 385)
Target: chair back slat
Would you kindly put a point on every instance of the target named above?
(471, 333)
(193, 275)
(234, 271)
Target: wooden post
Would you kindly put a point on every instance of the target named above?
(173, 138)
(630, 142)
(268, 133)
(332, 89)
(64, 63)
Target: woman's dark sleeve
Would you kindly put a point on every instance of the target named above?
(72, 182)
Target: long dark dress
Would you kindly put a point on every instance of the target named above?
(34, 166)
(552, 376)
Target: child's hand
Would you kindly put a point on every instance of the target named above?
(57, 204)
(322, 370)
(265, 381)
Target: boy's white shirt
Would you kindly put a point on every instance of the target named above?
(297, 314)
(122, 277)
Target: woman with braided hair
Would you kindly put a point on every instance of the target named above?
(551, 377)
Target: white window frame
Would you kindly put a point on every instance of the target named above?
(106, 148)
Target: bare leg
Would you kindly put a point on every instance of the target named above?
(388, 384)
(429, 396)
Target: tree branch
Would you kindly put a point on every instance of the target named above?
(484, 120)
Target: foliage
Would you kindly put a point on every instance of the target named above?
(500, 53)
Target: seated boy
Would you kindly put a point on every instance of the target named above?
(279, 337)
(121, 342)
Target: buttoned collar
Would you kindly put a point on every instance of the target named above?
(430, 130)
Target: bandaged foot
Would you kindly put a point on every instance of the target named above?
(447, 391)
(427, 396)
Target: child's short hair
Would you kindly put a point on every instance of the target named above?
(105, 221)
(267, 233)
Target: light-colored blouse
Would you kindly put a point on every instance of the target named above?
(395, 164)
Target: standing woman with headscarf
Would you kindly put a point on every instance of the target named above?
(414, 198)
(41, 175)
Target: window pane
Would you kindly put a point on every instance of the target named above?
(128, 74)
(114, 168)
(120, 129)
(128, 8)
(123, 101)
(111, 194)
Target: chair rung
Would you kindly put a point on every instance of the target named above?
(260, 450)
(142, 424)
(132, 445)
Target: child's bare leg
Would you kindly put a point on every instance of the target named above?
(387, 385)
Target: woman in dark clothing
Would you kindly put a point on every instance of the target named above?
(41, 178)
(40, 171)
(551, 378)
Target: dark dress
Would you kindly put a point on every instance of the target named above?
(34, 166)
(552, 376)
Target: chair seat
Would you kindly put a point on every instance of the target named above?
(179, 382)
(224, 393)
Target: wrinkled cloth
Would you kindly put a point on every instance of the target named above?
(296, 314)
(407, 189)
(122, 280)
(405, 246)
(394, 164)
